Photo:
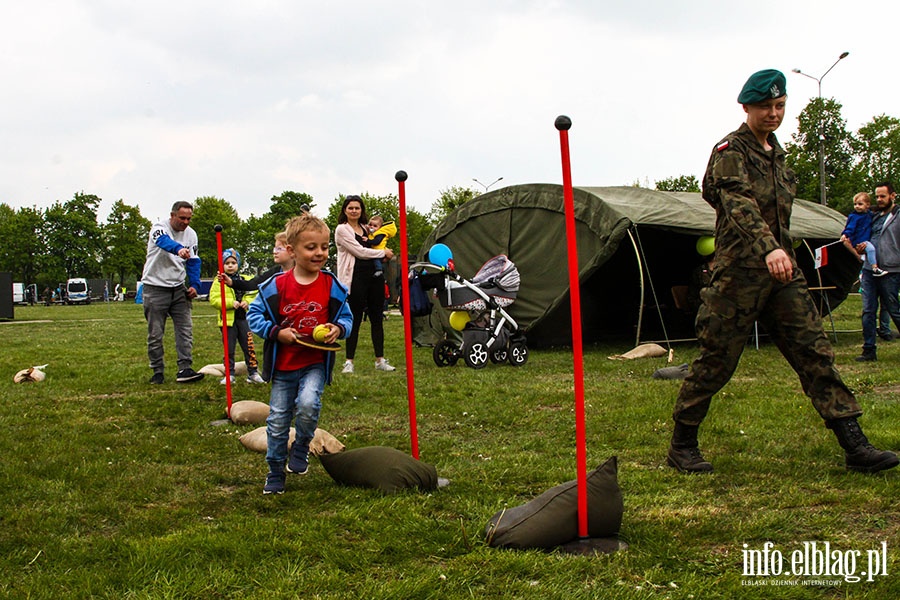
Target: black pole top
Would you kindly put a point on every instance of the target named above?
(401, 176)
(563, 123)
(217, 228)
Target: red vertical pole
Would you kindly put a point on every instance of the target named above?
(401, 177)
(563, 124)
(218, 229)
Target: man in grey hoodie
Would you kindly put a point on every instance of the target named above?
(886, 237)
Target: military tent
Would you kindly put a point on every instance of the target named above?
(634, 246)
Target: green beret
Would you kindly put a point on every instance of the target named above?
(763, 85)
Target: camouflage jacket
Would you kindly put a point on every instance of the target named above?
(753, 193)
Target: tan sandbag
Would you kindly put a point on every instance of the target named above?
(323, 443)
(249, 412)
(256, 440)
(30, 375)
(213, 370)
(642, 351)
(218, 369)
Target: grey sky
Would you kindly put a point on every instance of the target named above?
(164, 101)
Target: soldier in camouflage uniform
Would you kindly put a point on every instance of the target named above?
(757, 279)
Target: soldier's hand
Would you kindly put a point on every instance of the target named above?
(779, 265)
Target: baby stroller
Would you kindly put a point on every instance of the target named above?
(490, 333)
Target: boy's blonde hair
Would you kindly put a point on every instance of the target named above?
(378, 218)
(863, 196)
(301, 223)
(281, 236)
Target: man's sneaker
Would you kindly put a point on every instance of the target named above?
(157, 379)
(868, 355)
(255, 377)
(887, 336)
(188, 376)
(224, 380)
(298, 462)
(876, 272)
(348, 366)
(274, 483)
(384, 365)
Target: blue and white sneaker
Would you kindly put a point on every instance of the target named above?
(298, 462)
(274, 483)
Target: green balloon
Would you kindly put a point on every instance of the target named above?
(706, 245)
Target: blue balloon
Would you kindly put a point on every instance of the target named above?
(440, 255)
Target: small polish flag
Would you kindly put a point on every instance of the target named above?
(821, 257)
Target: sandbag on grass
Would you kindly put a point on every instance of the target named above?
(380, 467)
(551, 519)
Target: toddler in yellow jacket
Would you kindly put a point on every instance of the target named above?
(236, 304)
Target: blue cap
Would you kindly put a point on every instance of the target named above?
(231, 253)
(763, 85)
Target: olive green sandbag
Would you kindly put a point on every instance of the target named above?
(379, 467)
(551, 519)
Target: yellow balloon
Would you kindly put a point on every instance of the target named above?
(458, 319)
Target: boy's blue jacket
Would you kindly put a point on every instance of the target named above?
(262, 316)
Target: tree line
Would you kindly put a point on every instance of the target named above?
(47, 246)
(67, 239)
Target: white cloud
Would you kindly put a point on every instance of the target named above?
(172, 100)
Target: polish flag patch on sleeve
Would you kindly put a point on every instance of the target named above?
(722, 146)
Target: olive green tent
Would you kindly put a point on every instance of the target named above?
(634, 246)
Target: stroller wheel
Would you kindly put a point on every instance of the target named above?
(476, 355)
(500, 355)
(445, 354)
(518, 353)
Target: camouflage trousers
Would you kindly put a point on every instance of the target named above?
(735, 299)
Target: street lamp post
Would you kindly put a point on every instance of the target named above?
(818, 80)
(488, 186)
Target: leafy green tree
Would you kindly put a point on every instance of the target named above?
(125, 241)
(822, 115)
(210, 211)
(257, 235)
(877, 149)
(286, 206)
(451, 199)
(21, 245)
(682, 183)
(74, 243)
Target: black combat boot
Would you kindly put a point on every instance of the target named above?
(684, 451)
(860, 454)
(868, 355)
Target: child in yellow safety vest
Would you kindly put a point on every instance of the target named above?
(236, 304)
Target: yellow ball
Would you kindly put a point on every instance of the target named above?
(320, 333)
(458, 319)
(706, 245)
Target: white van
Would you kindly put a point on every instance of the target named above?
(77, 291)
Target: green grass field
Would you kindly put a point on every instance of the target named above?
(112, 488)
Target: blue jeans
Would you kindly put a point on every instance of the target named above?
(884, 289)
(884, 319)
(295, 395)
